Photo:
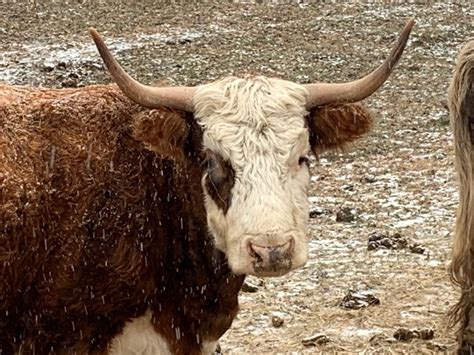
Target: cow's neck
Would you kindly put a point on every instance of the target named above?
(199, 301)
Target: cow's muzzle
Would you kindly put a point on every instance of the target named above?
(271, 260)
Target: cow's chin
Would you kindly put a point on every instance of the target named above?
(265, 255)
(243, 260)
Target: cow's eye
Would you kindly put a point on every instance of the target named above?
(303, 160)
(219, 179)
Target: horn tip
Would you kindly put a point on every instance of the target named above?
(93, 33)
(410, 23)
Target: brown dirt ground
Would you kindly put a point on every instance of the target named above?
(400, 179)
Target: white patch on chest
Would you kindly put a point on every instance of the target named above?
(139, 338)
(209, 347)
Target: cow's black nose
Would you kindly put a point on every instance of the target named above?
(271, 260)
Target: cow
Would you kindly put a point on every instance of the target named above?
(131, 214)
(461, 112)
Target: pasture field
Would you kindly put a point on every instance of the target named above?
(400, 180)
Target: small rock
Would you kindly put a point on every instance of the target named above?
(218, 350)
(403, 334)
(184, 40)
(358, 299)
(417, 249)
(249, 287)
(69, 83)
(315, 212)
(345, 214)
(316, 339)
(170, 41)
(277, 320)
(369, 179)
(348, 187)
(383, 240)
(61, 64)
(48, 66)
(68, 80)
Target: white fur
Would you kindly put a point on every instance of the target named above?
(139, 338)
(258, 125)
(209, 347)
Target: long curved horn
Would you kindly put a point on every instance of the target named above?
(180, 97)
(325, 93)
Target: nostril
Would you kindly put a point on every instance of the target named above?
(255, 252)
(288, 247)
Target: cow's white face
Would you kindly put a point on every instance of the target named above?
(256, 175)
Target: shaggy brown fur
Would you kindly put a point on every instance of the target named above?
(96, 229)
(162, 131)
(335, 126)
(461, 107)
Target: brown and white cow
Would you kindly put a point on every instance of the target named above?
(461, 108)
(128, 226)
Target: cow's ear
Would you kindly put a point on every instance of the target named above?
(162, 130)
(334, 126)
